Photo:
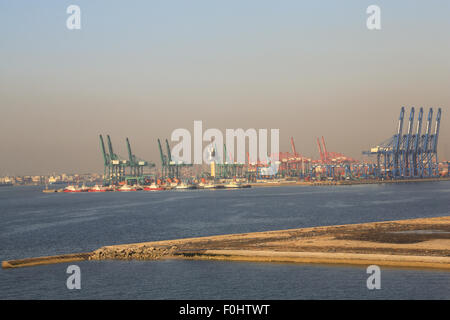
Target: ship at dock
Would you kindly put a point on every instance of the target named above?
(76, 189)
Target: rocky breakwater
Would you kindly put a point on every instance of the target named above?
(421, 243)
(133, 252)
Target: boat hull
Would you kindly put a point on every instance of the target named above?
(154, 189)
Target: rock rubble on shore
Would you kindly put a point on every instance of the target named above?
(142, 252)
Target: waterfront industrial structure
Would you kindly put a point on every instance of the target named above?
(118, 170)
(409, 154)
(170, 169)
(228, 169)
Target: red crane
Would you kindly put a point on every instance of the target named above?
(332, 157)
(320, 151)
(293, 147)
(325, 150)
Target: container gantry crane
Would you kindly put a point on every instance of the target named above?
(170, 168)
(136, 164)
(114, 167)
(409, 155)
(118, 165)
(107, 168)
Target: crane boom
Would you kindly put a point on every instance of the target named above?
(320, 150)
(130, 154)
(293, 147)
(419, 131)
(105, 155)
(225, 152)
(112, 155)
(161, 153)
(428, 131)
(400, 129)
(436, 130)
(325, 153)
(169, 154)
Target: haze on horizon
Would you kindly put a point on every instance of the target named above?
(144, 68)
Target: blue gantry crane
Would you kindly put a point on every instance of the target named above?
(409, 155)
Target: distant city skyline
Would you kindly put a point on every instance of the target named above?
(143, 69)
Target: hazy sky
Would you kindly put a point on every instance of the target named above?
(141, 69)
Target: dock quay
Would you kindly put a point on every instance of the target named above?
(346, 182)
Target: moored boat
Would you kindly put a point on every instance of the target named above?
(73, 189)
(213, 186)
(184, 186)
(236, 185)
(232, 185)
(126, 188)
(98, 188)
(153, 187)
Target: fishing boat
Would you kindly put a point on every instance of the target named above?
(233, 185)
(153, 187)
(47, 190)
(98, 188)
(236, 185)
(73, 189)
(213, 186)
(184, 186)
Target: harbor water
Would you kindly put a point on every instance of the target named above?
(34, 224)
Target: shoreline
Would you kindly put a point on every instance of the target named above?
(399, 261)
(416, 243)
(344, 182)
(269, 183)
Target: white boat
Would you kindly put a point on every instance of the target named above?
(153, 187)
(98, 188)
(74, 189)
(213, 186)
(126, 188)
(185, 186)
(236, 185)
(233, 185)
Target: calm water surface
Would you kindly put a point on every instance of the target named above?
(34, 224)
